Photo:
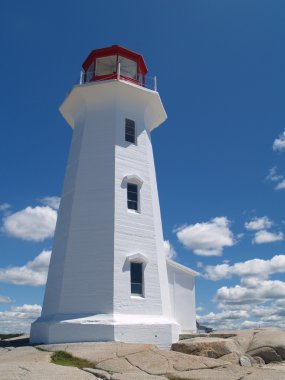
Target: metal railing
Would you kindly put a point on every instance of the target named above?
(148, 82)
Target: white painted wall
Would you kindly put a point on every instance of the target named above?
(137, 232)
(182, 295)
(83, 253)
(88, 287)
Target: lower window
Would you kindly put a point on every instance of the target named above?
(132, 193)
(137, 279)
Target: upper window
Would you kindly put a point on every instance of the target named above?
(130, 131)
(137, 279)
(132, 190)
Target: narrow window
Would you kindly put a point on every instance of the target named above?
(130, 131)
(137, 278)
(132, 190)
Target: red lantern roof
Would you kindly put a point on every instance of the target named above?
(114, 61)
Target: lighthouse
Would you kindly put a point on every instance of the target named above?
(109, 278)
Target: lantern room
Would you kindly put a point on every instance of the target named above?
(114, 62)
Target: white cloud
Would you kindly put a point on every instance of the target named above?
(18, 319)
(280, 185)
(256, 302)
(256, 268)
(231, 314)
(52, 202)
(279, 143)
(35, 224)
(273, 176)
(253, 325)
(4, 206)
(217, 272)
(259, 223)
(34, 273)
(247, 315)
(169, 250)
(32, 309)
(208, 238)
(264, 290)
(263, 237)
(4, 299)
(225, 320)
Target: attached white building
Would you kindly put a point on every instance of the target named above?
(182, 295)
(109, 278)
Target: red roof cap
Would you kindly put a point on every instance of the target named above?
(116, 50)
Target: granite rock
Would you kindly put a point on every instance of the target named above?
(209, 347)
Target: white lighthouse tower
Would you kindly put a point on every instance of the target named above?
(108, 277)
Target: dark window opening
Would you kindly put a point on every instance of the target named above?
(132, 191)
(130, 131)
(137, 278)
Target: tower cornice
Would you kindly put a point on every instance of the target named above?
(94, 93)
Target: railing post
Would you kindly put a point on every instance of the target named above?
(119, 71)
(155, 83)
(81, 77)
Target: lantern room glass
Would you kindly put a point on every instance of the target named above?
(118, 64)
(106, 65)
(128, 68)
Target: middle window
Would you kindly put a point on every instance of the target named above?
(132, 190)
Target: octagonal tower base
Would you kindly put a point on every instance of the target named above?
(102, 328)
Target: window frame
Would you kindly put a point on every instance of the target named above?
(137, 209)
(140, 294)
(129, 123)
(99, 68)
(124, 63)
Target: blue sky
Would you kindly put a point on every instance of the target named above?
(220, 156)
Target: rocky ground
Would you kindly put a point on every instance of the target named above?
(239, 355)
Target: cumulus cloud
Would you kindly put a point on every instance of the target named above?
(273, 176)
(18, 319)
(225, 320)
(236, 319)
(256, 268)
(280, 185)
(253, 311)
(169, 250)
(258, 223)
(4, 206)
(256, 302)
(35, 309)
(34, 273)
(263, 237)
(34, 224)
(279, 143)
(4, 299)
(208, 238)
(262, 291)
(52, 202)
(235, 314)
